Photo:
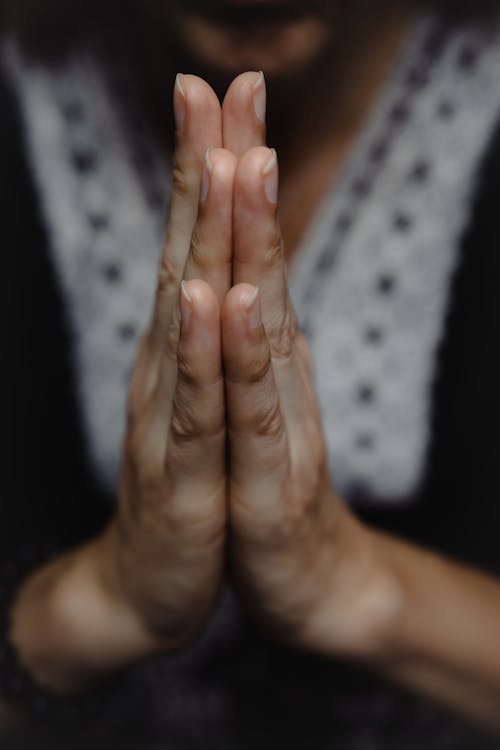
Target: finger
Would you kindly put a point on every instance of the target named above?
(258, 248)
(196, 441)
(257, 432)
(198, 127)
(210, 254)
(244, 113)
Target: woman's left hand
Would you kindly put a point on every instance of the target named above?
(293, 542)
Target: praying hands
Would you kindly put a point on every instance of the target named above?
(224, 363)
(224, 461)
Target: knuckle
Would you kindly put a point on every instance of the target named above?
(182, 183)
(190, 422)
(184, 424)
(168, 274)
(172, 339)
(260, 369)
(268, 421)
(186, 369)
(303, 505)
(273, 256)
(197, 254)
(282, 337)
(299, 513)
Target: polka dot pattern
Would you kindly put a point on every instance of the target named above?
(72, 111)
(373, 335)
(127, 331)
(420, 171)
(99, 221)
(104, 191)
(446, 109)
(84, 160)
(112, 273)
(372, 283)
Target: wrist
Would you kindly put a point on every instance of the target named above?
(361, 597)
(68, 628)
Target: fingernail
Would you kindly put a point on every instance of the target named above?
(253, 309)
(179, 102)
(270, 173)
(259, 97)
(185, 304)
(205, 176)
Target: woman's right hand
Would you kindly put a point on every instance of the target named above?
(149, 581)
(167, 540)
(164, 549)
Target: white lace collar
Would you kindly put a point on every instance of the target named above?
(371, 282)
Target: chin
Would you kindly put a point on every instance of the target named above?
(279, 47)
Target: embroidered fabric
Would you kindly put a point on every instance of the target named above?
(372, 284)
(371, 281)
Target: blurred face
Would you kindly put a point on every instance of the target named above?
(279, 36)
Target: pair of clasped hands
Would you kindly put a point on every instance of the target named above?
(224, 459)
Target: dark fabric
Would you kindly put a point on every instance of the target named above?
(47, 487)
(459, 508)
(236, 689)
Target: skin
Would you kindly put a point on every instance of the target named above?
(322, 85)
(223, 364)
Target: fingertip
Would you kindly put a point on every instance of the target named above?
(217, 181)
(197, 110)
(200, 294)
(257, 175)
(179, 102)
(241, 313)
(200, 316)
(254, 162)
(253, 309)
(244, 112)
(270, 177)
(223, 164)
(196, 90)
(238, 297)
(210, 256)
(243, 87)
(260, 98)
(219, 169)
